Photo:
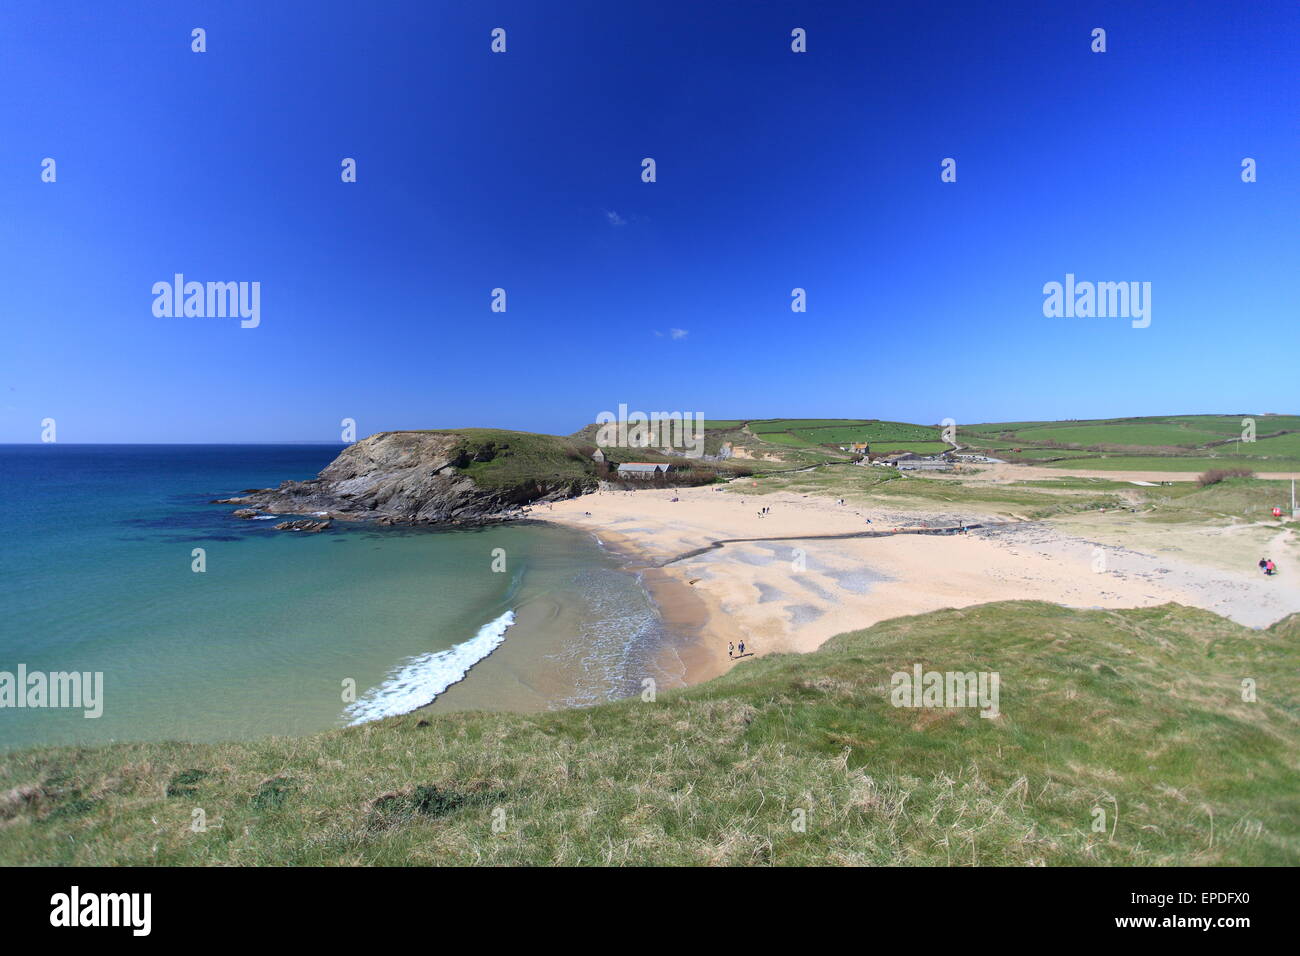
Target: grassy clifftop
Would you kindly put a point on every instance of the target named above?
(1137, 713)
(497, 458)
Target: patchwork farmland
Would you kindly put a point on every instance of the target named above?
(1176, 443)
(832, 434)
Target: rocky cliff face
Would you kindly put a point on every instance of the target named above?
(403, 478)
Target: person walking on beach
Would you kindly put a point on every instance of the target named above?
(1270, 568)
(742, 648)
(1263, 565)
(731, 649)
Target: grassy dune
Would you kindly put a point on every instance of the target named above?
(1232, 500)
(887, 488)
(1136, 712)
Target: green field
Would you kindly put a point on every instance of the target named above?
(785, 438)
(814, 432)
(1134, 713)
(1222, 426)
(1230, 425)
(993, 429)
(868, 432)
(1283, 446)
(786, 424)
(884, 446)
(1153, 434)
(1185, 443)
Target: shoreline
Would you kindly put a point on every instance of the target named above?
(578, 641)
(694, 625)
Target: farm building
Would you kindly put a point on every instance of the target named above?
(911, 461)
(643, 469)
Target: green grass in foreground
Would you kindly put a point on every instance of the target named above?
(1135, 712)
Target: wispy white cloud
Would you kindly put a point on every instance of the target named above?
(614, 218)
(678, 333)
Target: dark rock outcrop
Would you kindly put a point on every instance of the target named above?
(402, 478)
(303, 524)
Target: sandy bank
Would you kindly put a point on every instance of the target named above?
(793, 595)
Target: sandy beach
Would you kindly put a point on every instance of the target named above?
(794, 594)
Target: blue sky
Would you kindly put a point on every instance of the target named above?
(522, 170)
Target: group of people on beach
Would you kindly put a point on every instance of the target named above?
(764, 512)
(1267, 566)
(731, 650)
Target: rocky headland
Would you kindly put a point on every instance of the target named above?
(471, 476)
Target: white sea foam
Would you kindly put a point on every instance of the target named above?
(618, 644)
(420, 679)
(265, 517)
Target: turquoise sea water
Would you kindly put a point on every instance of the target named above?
(96, 575)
